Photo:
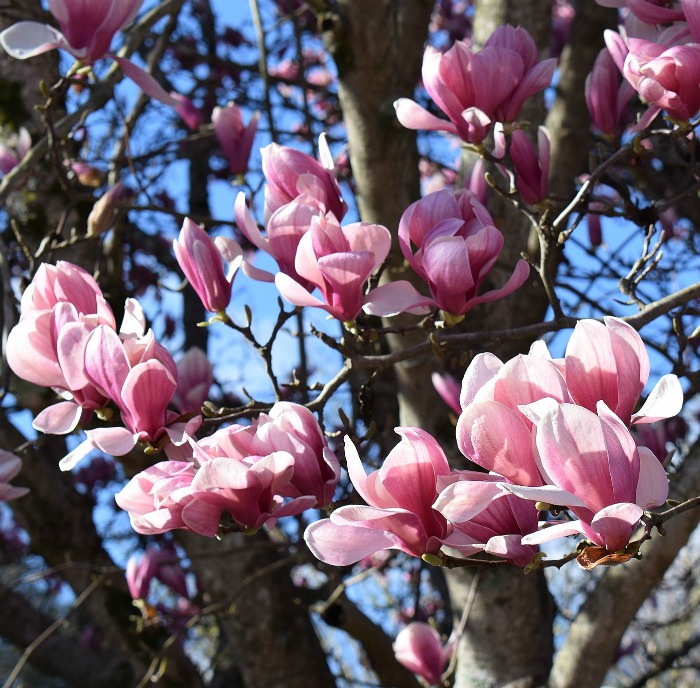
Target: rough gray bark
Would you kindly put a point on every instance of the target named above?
(268, 638)
(594, 636)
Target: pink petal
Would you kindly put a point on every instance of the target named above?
(652, 488)
(413, 116)
(494, 437)
(58, 419)
(344, 545)
(397, 297)
(664, 401)
(616, 523)
(27, 39)
(553, 532)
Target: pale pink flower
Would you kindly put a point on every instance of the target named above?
(609, 362)
(448, 388)
(493, 521)
(419, 648)
(284, 230)
(247, 488)
(10, 466)
(235, 138)
(594, 467)
(195, 377)
(160, 499)
(290, 428)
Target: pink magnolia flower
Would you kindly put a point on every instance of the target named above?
(606, 98)
(246, 488)
(284, 230)
(201, 259)
(399, 496)
(10, 466)
(59, 309)
(594, 467)
(87, 30)
(456, 246)
(289, 428)
(290, 173)
(609, 362)
(160, 499)
(493, 521)
(531, 167)
(235, 139)
(14, 149)
(666, 77)
(338, 261)
(419, 648)
(195, 377)
(161, 563)
(476, 89)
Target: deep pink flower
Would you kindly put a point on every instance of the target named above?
(456, 246)
(664, 76)
(161, 563)
(419, 648)
(201, 259)
(87, 29)
(606, 97)
(235, 139)
(531, 167)
(290, 173)
(400, 498)
(338, 261)
(476, 89)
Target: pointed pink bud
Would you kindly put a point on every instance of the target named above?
(419, 648)
(202, 264)
(235, 139)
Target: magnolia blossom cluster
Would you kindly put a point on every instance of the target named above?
(551, 432)
(67, 339)
(657, 50)
(241, 476)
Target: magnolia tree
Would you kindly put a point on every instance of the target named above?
(349, 343)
